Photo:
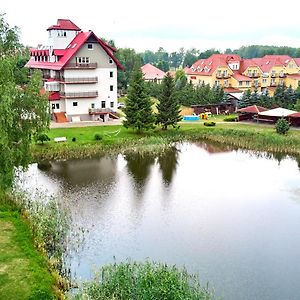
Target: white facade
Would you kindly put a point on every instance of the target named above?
(60, 39)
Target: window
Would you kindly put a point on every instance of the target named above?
(110, 60)
(53, 106)
(83, 60)
(90, 46)
(75, 103)
(65, 33)
(57, 105)
(112, 104)
(240, 83)
(111, 88)
(102, 104)
(264, 81)
(247, 82)
(93, 105)
(111, 74)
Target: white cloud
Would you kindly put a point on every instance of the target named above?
(148, 24)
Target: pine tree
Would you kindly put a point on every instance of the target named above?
(254, 99)
(245, 100)
(168, 107)
(138, 109)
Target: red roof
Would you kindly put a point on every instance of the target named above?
(247, 63)
(232, 90)
(240, 77)
(54, 96)
(59, 52)
(70, 51)
(209, 65)
(295, 115)
(150, 72)
(39, 52)
(294, 76)
(267, 62)
(297, 61)
(253, 109)
(64, 24)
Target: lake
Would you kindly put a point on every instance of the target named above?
(231, 216)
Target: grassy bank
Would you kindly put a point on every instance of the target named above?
(23, 270)
(116, 139)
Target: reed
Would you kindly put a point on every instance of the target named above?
(147, 281)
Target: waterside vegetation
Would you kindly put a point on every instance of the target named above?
(244, 136)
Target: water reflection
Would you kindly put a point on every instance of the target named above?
(167, 161)
(139, 166)
(231, 216)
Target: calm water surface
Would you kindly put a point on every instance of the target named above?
(233, 217)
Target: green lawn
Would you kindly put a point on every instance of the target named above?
(23, 270)
(117, 138)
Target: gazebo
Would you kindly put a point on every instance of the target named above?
(294, 119)
(247, 113)
(273, 115)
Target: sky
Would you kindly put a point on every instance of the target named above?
(150, 24)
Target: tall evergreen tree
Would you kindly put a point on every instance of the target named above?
(138, 109)
(168, 107)
(254, 98)
(245, 100)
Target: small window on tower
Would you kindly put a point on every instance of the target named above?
(110, 60)
(111, 74)
(111, 88)
(90, 46)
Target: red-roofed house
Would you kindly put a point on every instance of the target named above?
(231, 71)
(152, 73)
(80, 73)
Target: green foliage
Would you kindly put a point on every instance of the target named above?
(168, 107)
(24, 273)
(146, 281)
(209, 123)
(138, 109)
(230, 119)
(282, 126)
(297, 105)
(98, 137)
(245, 100)
(42, 137)
(130, 60)
(24, 111)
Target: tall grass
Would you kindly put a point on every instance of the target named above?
(143, 281)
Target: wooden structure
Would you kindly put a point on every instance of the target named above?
(294, 119)
(249, 112)
(224, 108)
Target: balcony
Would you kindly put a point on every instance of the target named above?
(99, 111)
(253, 75)
(221, 76)
(81, 66)
(282, 75)
(80, 80)
(92, 94)
(273, 75)
(256, 84)
(273, 84)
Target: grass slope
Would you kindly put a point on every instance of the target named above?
(23, 270)
(246, 136)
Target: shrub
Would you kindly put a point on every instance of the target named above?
(282, 126)
(74, 139)
(230, 119)
(210, 123)
(146, 281)
(97, 137)
(42, 137)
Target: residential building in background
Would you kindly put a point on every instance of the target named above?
(237, 75)
(79, 72)
(152, 74)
